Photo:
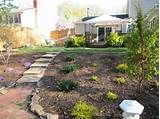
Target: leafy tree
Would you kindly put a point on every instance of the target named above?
(5, 32)
(142, 57)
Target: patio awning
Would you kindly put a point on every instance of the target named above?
(106, 20)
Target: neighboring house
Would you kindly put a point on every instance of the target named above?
(97, 31)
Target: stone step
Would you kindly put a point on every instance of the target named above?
(49, 56)
(29, 79)
(43, 60)
(39, 65)
(34, 71)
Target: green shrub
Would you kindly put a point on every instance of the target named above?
(83, 110)
(122, 68)
(69, 68)
(94, 78)
(66, 85)
(94, 65)
(76, 41)
(70, 58)
(111, 96)
(120, 80)
(115, 40)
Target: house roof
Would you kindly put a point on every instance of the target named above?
(105, 20)
(88, 18)
(122, 16)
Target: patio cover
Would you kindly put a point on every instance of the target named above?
(106, 20)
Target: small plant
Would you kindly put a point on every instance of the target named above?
(94, 65)
(70, 58)
(122, 68)
(83, 110)
(115, 40)
(66, 85)
(76, 41)
(94, 78)
(111, 96)
(69, 68)
(120, 80)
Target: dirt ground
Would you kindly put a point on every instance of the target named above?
(93, 92)
(15, 68)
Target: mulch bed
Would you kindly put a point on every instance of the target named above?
(15, 63)
(53, 101)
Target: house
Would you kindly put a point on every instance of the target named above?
(96, 28)
(42, 16)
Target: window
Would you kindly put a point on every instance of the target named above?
(15, 19)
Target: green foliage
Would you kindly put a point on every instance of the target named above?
(76, 41)
(66, 85)
(122, 68)
(70, 58)
(120, 80)
(94, 78)
(83, 110)
(94, 65)
(115, 40)
(111, 96)
(142, 56)
(69, 68)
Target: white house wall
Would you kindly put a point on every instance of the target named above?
(80, 28)
(28, 18)
(145, 4)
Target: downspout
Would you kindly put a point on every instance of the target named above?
(36, 13)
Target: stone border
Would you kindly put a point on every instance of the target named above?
(37, 109)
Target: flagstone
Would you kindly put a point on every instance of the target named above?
(34, 71)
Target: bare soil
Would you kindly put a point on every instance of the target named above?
(53, 101)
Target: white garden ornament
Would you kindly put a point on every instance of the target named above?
(131, 109)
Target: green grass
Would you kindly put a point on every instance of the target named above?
(77, 50)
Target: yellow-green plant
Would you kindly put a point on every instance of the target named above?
(111, 96)
(94, 65)
(120, 80)
(83, 110)
(94, 78)
(122, 68)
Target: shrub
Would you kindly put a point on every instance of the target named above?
(120, 80)
(70, 58)
(69, 68)
(94, 78)
(66, 85)
(122, 68)
(111, 96)
(83, 110)
(94, 65)
(76, 41)
(115, 40)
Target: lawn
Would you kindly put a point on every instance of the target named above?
(78, 49)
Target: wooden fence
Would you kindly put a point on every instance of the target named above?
(22, 36)
(58, 34)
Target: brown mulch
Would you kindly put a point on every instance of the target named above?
(53, 101)
(17, 65)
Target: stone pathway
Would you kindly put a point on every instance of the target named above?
(37, 69)
(12, 100)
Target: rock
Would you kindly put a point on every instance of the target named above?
(27, 65)
(35, 107)
(22, 60)
(2, 78)
(9, 70)
(52, 116)
(18, 73)
(3, 90)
